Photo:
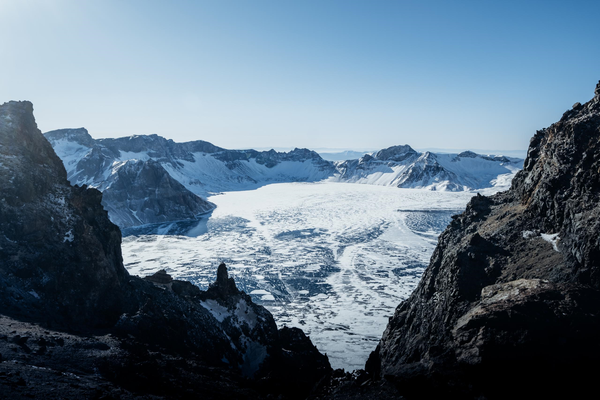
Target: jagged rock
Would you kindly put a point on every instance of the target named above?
(136, 191)
(60, 255)
(224, 287)
(143, 192)
(61, 268)
(508, 305)
(395, 153)
(160, 277)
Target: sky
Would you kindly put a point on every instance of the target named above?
(318, 74)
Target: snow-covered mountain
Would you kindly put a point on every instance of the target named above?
(403, 167)
(149, 179)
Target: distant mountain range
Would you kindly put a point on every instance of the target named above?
(403, 167)
(149, 179)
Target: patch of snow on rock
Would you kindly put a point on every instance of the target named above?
(245, 314)
(217, 310)
(552, 238)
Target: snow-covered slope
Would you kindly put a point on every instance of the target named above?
(403, 167)
(136, 190)
(149, 179)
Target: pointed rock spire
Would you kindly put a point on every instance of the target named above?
(222, 275)
(224, 287)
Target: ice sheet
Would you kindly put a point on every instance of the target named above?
(334, 259)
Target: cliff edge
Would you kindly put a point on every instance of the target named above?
(508, 306)
(74, 324)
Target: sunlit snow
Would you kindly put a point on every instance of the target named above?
(334, 259)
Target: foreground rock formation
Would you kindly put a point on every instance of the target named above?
(74, 324)
(509, 305)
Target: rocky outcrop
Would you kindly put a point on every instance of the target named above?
(60, 255)
(508, 306)
(142, 192)
(63, 284)
(285, 358)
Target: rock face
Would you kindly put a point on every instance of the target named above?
(63, 284)
(136, 191)
(508, 306)
(45, 225)
(143, 192)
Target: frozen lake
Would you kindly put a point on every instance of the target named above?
(334, 259)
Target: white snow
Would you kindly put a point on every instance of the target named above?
(334, 259)
(208, 175)
(130, 155)
(70, 152)
(551, 238)
(470, 173)
(245, 314)
(69, 237)
(217, 310)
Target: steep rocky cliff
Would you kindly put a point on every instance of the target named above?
(142, 192)
(136, 191)
(45, 225)
(68, 307)
(509, 305)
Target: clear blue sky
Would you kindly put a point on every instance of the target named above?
(338, 74)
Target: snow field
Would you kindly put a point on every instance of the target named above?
(334, 259)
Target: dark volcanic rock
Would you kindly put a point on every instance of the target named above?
(143, 192)
(502, 311)
(284, 360)
(63, 284)
(60, 255)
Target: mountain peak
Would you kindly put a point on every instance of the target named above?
(77, 135)
(468, 154)
(395, 153)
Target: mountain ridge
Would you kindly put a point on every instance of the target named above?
(204, 169)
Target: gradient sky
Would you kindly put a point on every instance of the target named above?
(318, 74)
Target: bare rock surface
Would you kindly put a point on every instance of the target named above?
(508, 306)
(74, 324)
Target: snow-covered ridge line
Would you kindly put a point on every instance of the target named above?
(167, 180)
